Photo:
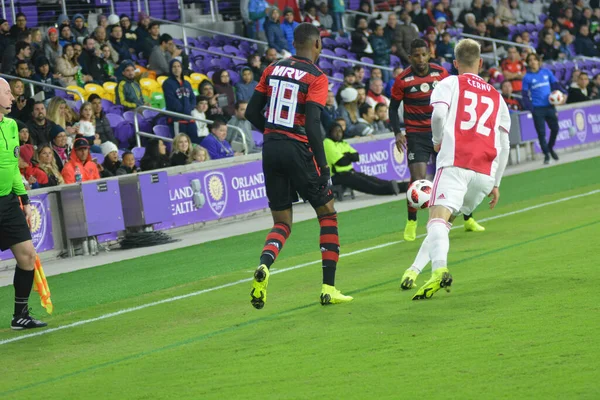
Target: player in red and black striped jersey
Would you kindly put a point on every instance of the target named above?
(413, 87)
(286, 106)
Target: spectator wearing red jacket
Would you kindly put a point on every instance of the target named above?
(81, 160)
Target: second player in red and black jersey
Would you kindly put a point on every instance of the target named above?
(413, 87)
(286, 106)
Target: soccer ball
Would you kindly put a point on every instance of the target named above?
(557, 97)
(418, 194)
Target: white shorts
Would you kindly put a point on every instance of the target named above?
(460, 190)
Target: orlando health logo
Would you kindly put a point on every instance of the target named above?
(397, 159)
(216, 188)
(39, 224)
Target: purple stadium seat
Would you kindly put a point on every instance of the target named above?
(163, 131)
(172, 10)
(447, 66)
(367, 60)
(149, 114)
(103, 4)
(340, 52)
(237, 62)
(138, 152)
(114, 120)
(258, 138)
(157, 9)
(327, 52)
(120, 152)
(210, 74)
(125, 134)
(123, 7)
(115, 109)
(106, 105)
(329, 43)
(338, 75)
(229, 49)
(341, 64)
(395, 61)
(145, 126)
(129, 116)
(233, 76)
(99, 158)
(225, 63)
(31, 13)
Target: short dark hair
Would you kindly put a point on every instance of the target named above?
(584, 73)
(21, 62)
(201, 98)
(239, 103)
(165, 37)
(305, 34)
(531, 55)
(364, 109)
(417, 44)
(217, 124)
(357, 67)
(127, 153)
(21, 46)
(23, 35)
(85, 40)
(379, 105)
(38, 102)
(153, 24)
(93, 97)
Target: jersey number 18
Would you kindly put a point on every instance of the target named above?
(278, 101)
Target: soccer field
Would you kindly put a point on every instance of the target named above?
(521, 321)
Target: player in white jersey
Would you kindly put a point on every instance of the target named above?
(470, 124)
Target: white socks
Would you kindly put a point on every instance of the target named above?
(422, 258)
(439, 243)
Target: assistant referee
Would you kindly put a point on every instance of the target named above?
(14, 222)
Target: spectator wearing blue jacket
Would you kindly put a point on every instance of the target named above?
(215, 143)
(538, 84)
(245, 87)
(274, 33)
(257, 11)
(179, 98)
(287, 26)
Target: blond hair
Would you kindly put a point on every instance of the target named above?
(200, 150)
(49, 169)
(54, 111)
(468, 53)
(178, 138)
(83, 106)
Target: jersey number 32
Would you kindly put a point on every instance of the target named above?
(283, 94)
(477, 113)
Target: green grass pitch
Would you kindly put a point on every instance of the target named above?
(521, 321)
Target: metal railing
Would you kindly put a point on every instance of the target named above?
(495, 43)
(32, 83)
(229, 35)
(174, 114)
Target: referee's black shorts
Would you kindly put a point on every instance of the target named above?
(13, 225)
(290, 168)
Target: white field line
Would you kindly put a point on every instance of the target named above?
(199, 292)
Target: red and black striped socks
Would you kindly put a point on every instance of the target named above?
(330, 246)
(274, 243)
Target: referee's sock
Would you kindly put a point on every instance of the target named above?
(274, 243)
(330, 246)
(23, 282)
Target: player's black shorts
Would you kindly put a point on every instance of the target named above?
(290, 168)
(419, 147)
(13, 225)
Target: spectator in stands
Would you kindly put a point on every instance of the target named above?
(65, 36)
(68, 67)
(507, 93)
(390, 83)
(430, 39)
(21, 105)
(376, 73)
(182, 150)
(91, 62)
(24, 137)
(39, 126)
(341, 122)
(338, 8)
(275, 36)
(80, 163)
(37, 43)
(381, 49)
(382, 120)
(364, 125)
(108, 66)
(129, 92)
(223, 88)
(129, 35)
(33, 177)
(254, 63)
(59, 143)
(200, 112)
(580, 92)
(127, 164)
(389, 30)
(62, 19)
(61, 114)
(359, 71)
(22, 70)
(52, 48)
(361, 95)
(111, 160)
(215, 143)
(445, 49)
(404, 34)
(505, 13)
(594, 87)
(19, 27)
(513, 69)
(375, 93)
(78, 28)
(87, 129)
(329, 112)
(566, 20)
(119, 44)
(155, 156)
(348, 108)
(22, 53)
(360, 39)
(349, 81)
(340, 156)
(470, 24)
(179, 98)
(584, 45)
(310, 15)
(199, 154)
(43, 75)
(102, 125)
(548, 47)
(287, 27)
(5, 38)
(215, 112)
(233, 135)
(47, 163)
(269, 58)
(141, 32)
(160, 55)
(101, 40)
(257, 10)
(245, 87)
(324, 17)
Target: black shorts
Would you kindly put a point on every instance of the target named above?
(419, 147)
(290, 168)
(13, 225)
